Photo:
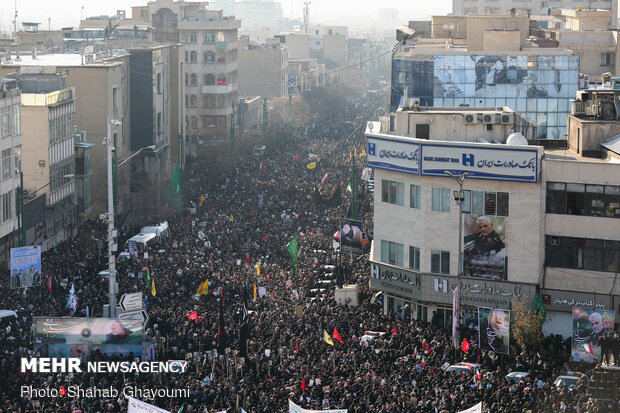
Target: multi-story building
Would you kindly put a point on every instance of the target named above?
(48, 122)
(463, 7)
(552, 216)
(263, 69)
(491, 67)
(11, 150)
(210, 65)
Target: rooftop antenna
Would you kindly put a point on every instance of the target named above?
(306, 15)
(15, 22)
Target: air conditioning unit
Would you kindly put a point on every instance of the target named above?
(578, 108)
(470, 118)
(489, 118)
(26, 192)
(555, 241)
(507, 118)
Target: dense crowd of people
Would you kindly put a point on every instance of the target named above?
(253, 206)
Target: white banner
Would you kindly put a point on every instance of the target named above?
(293, 408)
(137, 406)
(474, 409)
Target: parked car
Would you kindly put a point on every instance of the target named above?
(569, 379)
(516, 376)
(463, 367)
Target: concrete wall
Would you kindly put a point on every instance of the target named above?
(298, 46)
(477, 25)
(449, 27)
(589, 45)
(335, 49)
(587, 135)
(501, 41)
(263, 72)
(431, 230)
(35, 148)
(449, 126)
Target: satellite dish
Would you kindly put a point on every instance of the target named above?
(516, 139)
(370, 125)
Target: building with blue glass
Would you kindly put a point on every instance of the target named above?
(538, 84)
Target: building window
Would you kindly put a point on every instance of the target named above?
(440, 262)
(209, 80)
(208, 57)
(220, 122)
(194, 122)
(220, 37)
(608, 59)
(18, 159)
(581, 199)
(159, 83)
(415, 194)
(392, 253)
(221, 79)
(393, 192)
(193, 79)
(192, 37)
(487, 203)
(583, 253)
(7, 203)
(193, 100)
(186, 56)
(422, 131)
(193, 57)
(441, 200)
(209, 37)
(414, 258)
(7, 160)
(186, 79)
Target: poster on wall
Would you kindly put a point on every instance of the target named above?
(484, 246)
(494, 329)
(25, 266)
(589, 325)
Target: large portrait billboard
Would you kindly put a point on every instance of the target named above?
(484, 246)
(494, 329)
(25, 266)
(351, 236)
(589, 325)
(78, 337)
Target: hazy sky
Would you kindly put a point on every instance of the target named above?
(68, 12)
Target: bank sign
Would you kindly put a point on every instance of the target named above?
(439, 288)
(480, 161)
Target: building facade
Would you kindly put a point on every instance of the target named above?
(263, 70)
(48, 119)
(11, 150)
(462, 7)
(549, 218)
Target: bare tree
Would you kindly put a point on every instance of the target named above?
(526, 324)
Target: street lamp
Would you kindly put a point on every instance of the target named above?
(107, 141)
(459, 197)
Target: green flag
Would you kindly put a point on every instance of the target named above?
(181, 409)
(538, 307)
(174, 195)
(293, 250)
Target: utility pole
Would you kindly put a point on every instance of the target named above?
(264, 119)
(232, 125)
(111, 230)
(354, 187)
(306, 15)
(459, 197)
(20, 206)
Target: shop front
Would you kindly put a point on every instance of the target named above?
(428, 297)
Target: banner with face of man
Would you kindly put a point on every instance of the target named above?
(494, 329)
(484, 246)
(351, 237)
(589, 325)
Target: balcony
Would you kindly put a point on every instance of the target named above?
(229, 88)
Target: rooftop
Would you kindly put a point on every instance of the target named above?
(60, 59)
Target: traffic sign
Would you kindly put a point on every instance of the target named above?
(292, 80)
(135, 315)
(131, 301)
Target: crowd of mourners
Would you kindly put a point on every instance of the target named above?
(253, 206)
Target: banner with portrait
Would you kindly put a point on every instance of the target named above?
(295, 408)
(494, 329)
(589, 325)
(351, 236)
(25, 267)
(78, 337)
(484, 246)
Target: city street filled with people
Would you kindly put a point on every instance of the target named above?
(240, 212)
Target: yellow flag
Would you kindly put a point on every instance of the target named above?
(283, 274)
(255, 291)
(327, 338)
(204, 288)
(311, 165)
(350, 155)
(231, 218)
(153, 290)
(355, 151)
(258, 268)
(202, 199)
